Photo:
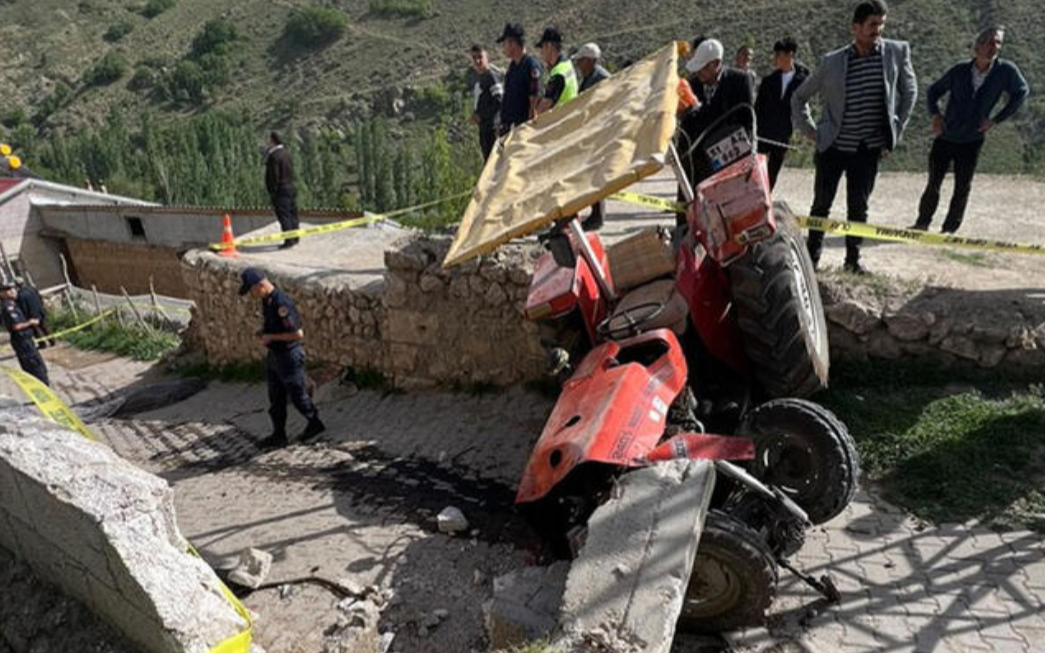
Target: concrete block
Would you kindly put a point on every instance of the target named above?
(105, 532)
(625, 590)
(525, 605)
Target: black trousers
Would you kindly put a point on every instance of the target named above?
(487, 138)
(965, 156)
(29, 357)
(860, 169)
(285, 375)
(774, 161)
(285, 204)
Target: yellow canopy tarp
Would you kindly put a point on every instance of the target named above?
(603, 141)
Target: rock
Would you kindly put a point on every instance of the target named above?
(451, 520)
(961, 346)
(907, 326)
(253, 568)
(854, 316)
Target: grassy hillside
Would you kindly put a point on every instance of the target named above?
(51, 81)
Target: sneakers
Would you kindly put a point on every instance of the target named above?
(918, 227)
(277, 440)
(312, 431)
(854, 267)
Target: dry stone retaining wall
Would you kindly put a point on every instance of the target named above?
(420, 326)
(104, 531)
(423, 325)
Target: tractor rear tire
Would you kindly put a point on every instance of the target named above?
(805, 451)
(780, 313)
(734, 578)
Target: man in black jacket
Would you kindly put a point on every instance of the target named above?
(723, 93)
(279, 181)
(773, 105)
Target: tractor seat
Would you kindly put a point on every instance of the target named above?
(660, 292)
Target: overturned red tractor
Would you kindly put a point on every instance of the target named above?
(663, 343)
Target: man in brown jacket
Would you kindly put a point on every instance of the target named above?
(279, 181)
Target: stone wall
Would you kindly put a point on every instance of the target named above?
(427, 326)
(421, 326)
(104, 531)
(990, 329)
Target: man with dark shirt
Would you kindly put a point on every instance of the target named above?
(32, 306)
(773, 105)
(279, 181)
(722, 93)
(21, 329)
(522, 81)
(485, 82)
(282, 334)
(586, 62)
(973, 89)
(562, 78)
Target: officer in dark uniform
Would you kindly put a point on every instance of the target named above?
(32, 305)
(281, 332)
(21, 330)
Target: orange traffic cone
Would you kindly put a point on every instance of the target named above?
(228, 241)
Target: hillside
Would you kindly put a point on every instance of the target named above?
(411, 65)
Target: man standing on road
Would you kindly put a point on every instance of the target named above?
(282, 334)
(974, 88)
(485, 82)
(562, 78)
(21, 329)
(586, 63)
(522, 80)
(773, 105)
(279, 181)
(868, 89)
(32, 306)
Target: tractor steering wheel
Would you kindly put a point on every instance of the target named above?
(629, 321)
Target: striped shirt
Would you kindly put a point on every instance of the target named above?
(864, 120)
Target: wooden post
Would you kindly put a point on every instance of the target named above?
(134, 310)
(156, 306)
(69, 289)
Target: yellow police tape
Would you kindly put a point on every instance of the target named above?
(304, 232)
(54, 408)
(863, 230)
(74, 329)
(48, 403)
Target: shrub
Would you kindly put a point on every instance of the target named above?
(109, 68)
(154, 8)
(316, 26)
(403, 8)
(143, 78)
(118, 30)
(216, 38)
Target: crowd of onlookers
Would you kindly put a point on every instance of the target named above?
(867, 90)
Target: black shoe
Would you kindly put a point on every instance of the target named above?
(312, 430)
(854, 267)
(948, 230)
(288, 243)
(277, 440)
(592, 223)
(918, 226)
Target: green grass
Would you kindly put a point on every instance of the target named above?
(948, 445)
(128, 339)
(975, 259)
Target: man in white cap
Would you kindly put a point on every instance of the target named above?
(719, 90)
(586, 61)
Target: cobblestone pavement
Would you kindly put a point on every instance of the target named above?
(362, 506)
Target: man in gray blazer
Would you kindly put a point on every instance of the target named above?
(867, 89)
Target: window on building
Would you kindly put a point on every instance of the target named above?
(136, 227)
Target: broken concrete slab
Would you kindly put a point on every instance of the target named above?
(104, 531)
(625, 590)
(253, 568)
(525, 605)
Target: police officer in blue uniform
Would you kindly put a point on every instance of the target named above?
(281, 332)
(21, 329)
